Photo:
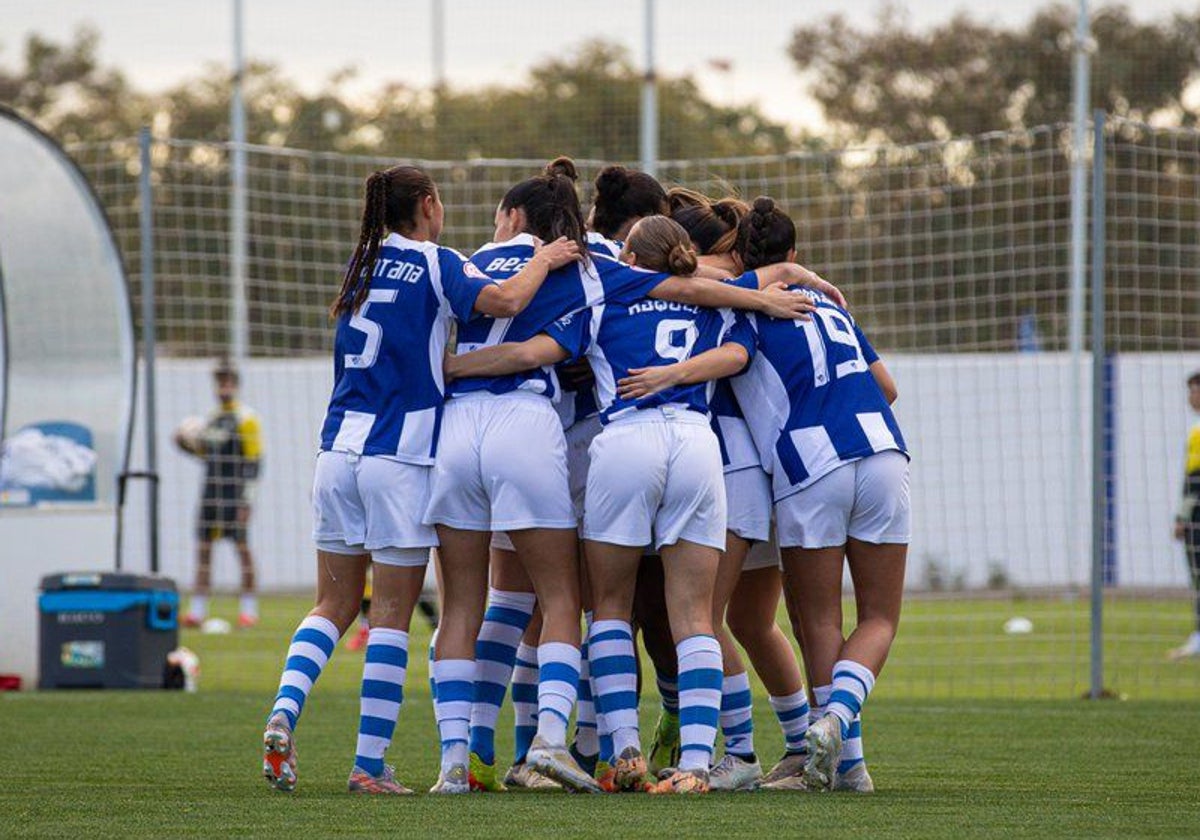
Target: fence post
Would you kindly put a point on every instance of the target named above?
(649, 132)
(149, 337)
(1100, 397)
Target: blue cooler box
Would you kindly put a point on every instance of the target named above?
(106, 630)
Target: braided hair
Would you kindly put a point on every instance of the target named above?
(765, 235)
(390, 203)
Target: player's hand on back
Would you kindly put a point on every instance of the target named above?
(645, 382)
(560, 252)
(781, 303)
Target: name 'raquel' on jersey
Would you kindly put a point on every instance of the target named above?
(388, 388)
(816, 404)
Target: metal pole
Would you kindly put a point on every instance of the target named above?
(239, 326)
(1100, 384)
(149, 339)
(1078, 269)
(438, 32)
(649, 129)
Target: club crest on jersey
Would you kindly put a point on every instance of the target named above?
(472, 271)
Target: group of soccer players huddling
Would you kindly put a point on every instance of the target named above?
(653, 421)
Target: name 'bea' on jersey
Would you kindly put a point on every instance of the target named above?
(388, 388)
(566, 290)
(816, 404)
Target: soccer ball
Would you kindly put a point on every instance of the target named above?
(190, 433)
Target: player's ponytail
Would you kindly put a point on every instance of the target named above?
(766, 234)
(551, 203)
(390, 203)
(660, 244)
(712, 226)
(623, 196)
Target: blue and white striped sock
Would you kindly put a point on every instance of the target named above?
(668, 690)
(504, 623)
(455, 685)
(614, 682)
(558, 686)
(587, 742)
(312, 645)
(699, 700)
(432, 656)
(737, 715)
(821, 699)
(852, 747)
(852, 684)
(382, 694)
(792, 712)
(525, 700)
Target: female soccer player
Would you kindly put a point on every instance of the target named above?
(823, 422)
(479, 487)
(748, 582)
(372, 475)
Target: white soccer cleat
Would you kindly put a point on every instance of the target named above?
(1188, 649)
(788, 767)
(523, 776)
(855, 780)
(734, 774)
(556, 762)
(824, 749)
(452, 781)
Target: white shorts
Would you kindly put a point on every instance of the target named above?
(748, 495)
(579, 441)
(501, 465)
(369, 504)
(763, 555)
(656, 474)
(866, 500)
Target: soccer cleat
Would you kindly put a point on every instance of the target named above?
(792, 764)
(795, 782)
(279, 754)
(628, 773)
(482, 776)
(824, 748)
(454, 780)
(587, 762)
(246, 621)
(523, 776)
(358, 641)
(555, 761)
(734, 773)
(363, 782)
(1188, 649)
(682, 781)
(855, 780)
(664, 749)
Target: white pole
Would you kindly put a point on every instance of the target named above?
(438, 31)
(649, 130)
(1079, 173)
(239, 326)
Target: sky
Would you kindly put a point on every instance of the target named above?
(157, 44)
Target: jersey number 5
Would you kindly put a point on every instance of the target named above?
(675, 338)
(374, 331)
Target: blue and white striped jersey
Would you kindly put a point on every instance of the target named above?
(728, 423)
(816, 404)
(620, 337)
(387, 362)
(568, 289)
(581, 404)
